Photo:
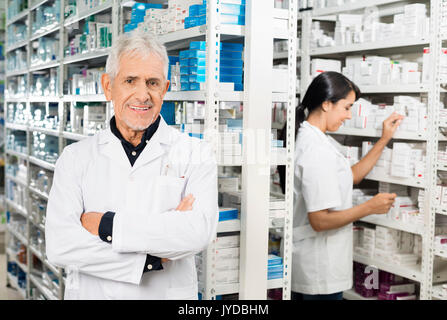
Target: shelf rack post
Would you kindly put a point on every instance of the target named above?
(256, 151)
(291, 103)
(434, 97)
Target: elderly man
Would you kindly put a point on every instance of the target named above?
(131, 206)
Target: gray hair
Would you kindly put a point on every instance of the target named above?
(135, 41)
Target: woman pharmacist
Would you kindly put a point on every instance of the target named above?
(323, 183)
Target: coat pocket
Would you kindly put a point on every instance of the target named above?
(170, 192)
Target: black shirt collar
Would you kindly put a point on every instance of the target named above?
(148, 133)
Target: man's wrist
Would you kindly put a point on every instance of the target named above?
(105, 229)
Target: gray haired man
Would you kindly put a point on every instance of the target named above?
(131, 206)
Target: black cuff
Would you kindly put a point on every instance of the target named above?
(106, 227)
(152, 263)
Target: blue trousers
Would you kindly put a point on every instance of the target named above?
(308, 297)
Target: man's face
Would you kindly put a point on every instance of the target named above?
(137, 91)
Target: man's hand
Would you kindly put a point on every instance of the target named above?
(186, 203)
(90, 221)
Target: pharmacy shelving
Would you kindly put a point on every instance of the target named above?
(42, 288)
(390, 47)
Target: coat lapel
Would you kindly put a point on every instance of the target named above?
(111, 147)
(157, 146)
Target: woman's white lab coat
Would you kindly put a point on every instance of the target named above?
(322, 261)
(95, 175)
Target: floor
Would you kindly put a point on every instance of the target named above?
(5, 292)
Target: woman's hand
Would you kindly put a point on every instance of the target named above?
(381, 203)
(390, 126)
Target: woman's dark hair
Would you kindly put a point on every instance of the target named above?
(328, 86)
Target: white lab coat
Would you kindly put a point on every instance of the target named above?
(95, 175)
(322, 261)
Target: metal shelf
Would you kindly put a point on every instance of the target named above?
(21, 238)
(232, 288)
(15, 284)
(42, 163)
(411, 182)
(16, 46)
(377, 133)
(398, 88)
(16, 180)
(74, 136)
(441, 252)
(358, 5)
(85, 98)
(180, 39)
(409, 272)
(39, 193)
(80, 57)
(51, 132)
(42, 288)
(361, 47)
(82, 15)
(441, 210)
(13, 256)
(16, 73)
(44, 260)
(43, 33)
(14, 126)
(201, 96)
(17, 208)
(439, 293)
(352, 295)
(20, 16)
(17, 154)
(40, 3)
(386, 222)
(43, 99)
(43, 66)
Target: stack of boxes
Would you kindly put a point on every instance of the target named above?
(162, 21)
(230, 141)
(139, 12)
(404, 160)
(226, 261)
(378, 70)
(388, 245)
(366, 115)
(275, 267)
(367, 28)
(193, 66)
(87, 82)
(231, 12)
(388, 287)
(96, 34)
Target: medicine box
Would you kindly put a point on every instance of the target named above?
(228, 214)
(227, 242)
(274, 260)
